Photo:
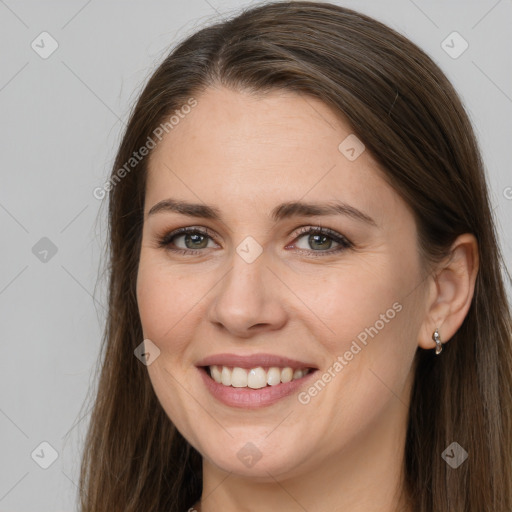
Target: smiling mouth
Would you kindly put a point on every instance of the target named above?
(254, 378)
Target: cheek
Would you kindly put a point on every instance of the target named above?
(151, 298)
(164, 300)
(366, 314)
(165, 313)
(368, 348)
(351, 299)
(171, 300)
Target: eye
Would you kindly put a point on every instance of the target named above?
(320, 240)
(194, 239)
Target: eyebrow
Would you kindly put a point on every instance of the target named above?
(280, 212)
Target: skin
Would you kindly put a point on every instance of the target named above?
(244, 154)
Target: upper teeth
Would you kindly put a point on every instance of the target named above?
(254, 378)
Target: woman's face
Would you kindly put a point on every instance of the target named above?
(264, 299)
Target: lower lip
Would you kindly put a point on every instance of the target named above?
(248, 398)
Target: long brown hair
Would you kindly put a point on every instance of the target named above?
(401, 105)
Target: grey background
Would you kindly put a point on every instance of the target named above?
(62, 118)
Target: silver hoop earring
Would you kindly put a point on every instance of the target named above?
(437, 339)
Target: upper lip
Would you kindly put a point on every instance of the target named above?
(253, 361)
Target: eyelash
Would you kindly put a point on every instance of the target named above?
(345, 244)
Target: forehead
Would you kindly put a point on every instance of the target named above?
(261, 149)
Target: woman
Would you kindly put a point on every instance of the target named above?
(306, 307)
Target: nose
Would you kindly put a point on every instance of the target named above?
(247, 300)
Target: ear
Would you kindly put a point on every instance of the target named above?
(451, 291)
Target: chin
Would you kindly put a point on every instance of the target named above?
(258, 458)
